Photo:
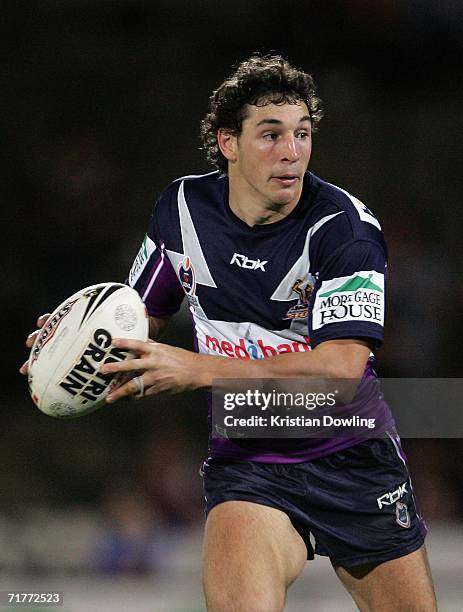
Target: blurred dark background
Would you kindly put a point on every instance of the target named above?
(100, 109)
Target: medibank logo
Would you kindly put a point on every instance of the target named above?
(250, 349)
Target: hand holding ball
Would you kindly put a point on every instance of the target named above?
(64, 377)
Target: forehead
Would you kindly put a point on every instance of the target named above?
(285, 113)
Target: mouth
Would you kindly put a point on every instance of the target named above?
(286, 180)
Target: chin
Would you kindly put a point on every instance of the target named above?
(286, 197)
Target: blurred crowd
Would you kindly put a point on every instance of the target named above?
(101, 109)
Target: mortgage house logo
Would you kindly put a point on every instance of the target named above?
(359, 297)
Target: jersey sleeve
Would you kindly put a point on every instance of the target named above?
(348, 300)
(153, 276)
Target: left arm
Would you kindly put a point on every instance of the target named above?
(171, 369)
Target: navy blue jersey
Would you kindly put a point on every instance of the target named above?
(254, 292)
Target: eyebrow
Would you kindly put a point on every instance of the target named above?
(279, 122)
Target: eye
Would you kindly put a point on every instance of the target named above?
(302, 135)
(270, 136)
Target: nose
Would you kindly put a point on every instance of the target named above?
(290, 150)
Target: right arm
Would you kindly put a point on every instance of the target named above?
(153, 276)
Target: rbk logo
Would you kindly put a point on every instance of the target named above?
(244, 262)
(391, 497)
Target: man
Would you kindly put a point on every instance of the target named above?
(258, 248)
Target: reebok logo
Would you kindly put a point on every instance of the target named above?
(244, 262)
(390, 498)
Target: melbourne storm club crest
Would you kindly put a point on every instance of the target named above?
(303, 288)
(402, 515)
(186, 274)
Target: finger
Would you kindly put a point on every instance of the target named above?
(31, 338)
(141, 387)
(139, 346)
(130, 388)
(43, 319)
(24, 369)
(154, 390)
(125, 366)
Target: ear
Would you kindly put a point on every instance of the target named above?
(227, 144)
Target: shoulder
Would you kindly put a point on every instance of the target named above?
(358, 218)
(207, 177)
(192, 184)
(188, 191)
(349, 221)
(186, 197)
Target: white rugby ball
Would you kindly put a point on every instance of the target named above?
(64, 381)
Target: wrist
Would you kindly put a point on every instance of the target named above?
(202, 374)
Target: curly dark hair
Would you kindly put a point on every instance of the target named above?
(259, 80)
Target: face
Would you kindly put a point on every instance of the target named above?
(268, 159)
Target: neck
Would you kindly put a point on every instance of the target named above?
(249, 205)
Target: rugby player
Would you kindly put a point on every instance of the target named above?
(254, 246)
